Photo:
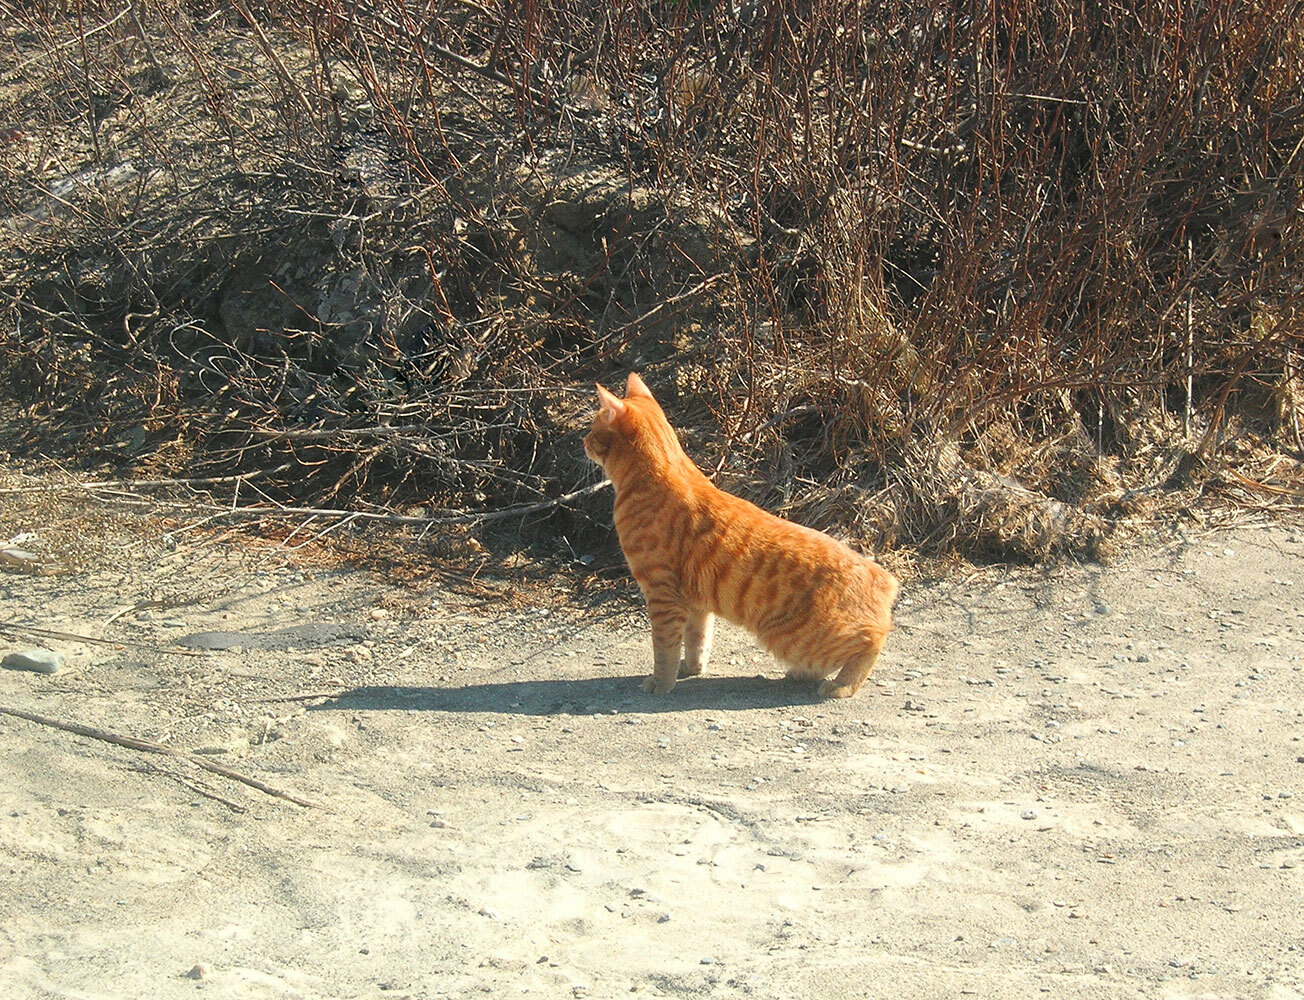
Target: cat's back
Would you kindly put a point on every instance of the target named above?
(749, 565)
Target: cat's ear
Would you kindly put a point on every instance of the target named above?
(612, 404)
(634, 386)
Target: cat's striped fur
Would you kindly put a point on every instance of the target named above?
(697, 551)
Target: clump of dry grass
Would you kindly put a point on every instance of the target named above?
(975, 278)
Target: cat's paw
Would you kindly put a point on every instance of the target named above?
(686, 671)
(803, 675)
(652, 686)
(832, 689)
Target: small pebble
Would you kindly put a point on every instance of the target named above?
(199, 971)
(40, 661)
(28, 562)
(1028, 814)
(490, 912)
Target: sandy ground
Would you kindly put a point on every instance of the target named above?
(1079, 782)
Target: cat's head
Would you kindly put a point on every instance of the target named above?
(630, 432)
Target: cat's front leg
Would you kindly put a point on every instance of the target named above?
(698, 629)
(666, 616)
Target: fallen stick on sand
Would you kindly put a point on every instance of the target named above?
(194, 784)
(302, 696)
(134, 743)
(12, 628)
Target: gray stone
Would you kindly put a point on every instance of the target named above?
(21, 559)
(40, 661)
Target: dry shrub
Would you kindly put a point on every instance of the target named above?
(966, 277)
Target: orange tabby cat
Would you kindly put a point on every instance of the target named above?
(697, 552)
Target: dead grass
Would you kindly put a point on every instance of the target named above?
(1004, 281)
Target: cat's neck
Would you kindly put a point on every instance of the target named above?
(675, 474)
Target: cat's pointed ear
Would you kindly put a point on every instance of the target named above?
(612, 404)
(634, 386)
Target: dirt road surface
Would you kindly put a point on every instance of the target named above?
(1077, 782)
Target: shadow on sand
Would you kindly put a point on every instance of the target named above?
(586, 696)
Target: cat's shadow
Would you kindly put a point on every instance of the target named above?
(585, 696)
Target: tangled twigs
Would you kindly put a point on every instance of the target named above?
(143, 484)
(382, 517)
(387, 242)
(469, 517)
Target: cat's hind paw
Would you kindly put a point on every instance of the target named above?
(652, 686)
(832, 689)
(686, 671)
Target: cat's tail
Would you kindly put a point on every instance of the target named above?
(884, 589)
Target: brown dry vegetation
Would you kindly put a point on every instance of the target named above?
(999, 279)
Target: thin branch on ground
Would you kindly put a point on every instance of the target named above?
(149, 746)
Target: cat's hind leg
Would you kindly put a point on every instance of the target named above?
(698, 631)
(799, 672)
(854, 671)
